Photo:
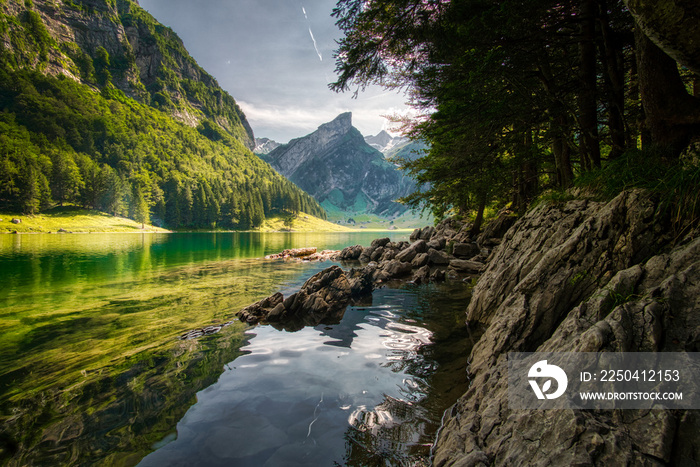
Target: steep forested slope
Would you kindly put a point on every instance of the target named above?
(102, 106)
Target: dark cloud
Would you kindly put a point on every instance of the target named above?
(262, 53)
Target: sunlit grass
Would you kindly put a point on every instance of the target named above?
(71, 219)
(301, 222)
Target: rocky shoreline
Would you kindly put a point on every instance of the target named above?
(576, 276)
(446, 251)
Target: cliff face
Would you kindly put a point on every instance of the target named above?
(337, 167)
(117, 44)
(578, 277)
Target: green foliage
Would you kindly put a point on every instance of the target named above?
(179, 84)
(556, 196)
(101, 65)
(106, 151)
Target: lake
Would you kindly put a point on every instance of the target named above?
(92, 370)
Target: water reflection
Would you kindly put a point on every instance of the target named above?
(90, 368)
(372, 394)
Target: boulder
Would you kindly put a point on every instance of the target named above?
(16, 221)
(497, 228)
(420, 260)
(465, 250)
(437, 275)
(412, 250)
(323, 298)
(427, 233)
(396, 268)
(351, 253)
(420, 246)
(388, 255)
(377, 254)
(422, 275)
(406, 255)
(438, 242)
(259, 311)
(360, 281)
(366, 254)
(379, 242)
(438, 257)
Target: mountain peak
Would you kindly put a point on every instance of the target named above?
(336, 166)
(340, 124)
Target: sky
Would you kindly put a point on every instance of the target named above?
(275, 57)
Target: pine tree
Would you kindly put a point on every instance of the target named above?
(138, 208)
(66, 180)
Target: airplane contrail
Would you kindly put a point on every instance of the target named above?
(320, 57)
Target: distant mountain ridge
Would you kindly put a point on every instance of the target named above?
(341, 171)
(385, 143)
(265, 145)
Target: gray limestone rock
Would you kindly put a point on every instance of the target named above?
(465, 250)
(580, 276)
(420, 260)
(468, 266)
(437, 257)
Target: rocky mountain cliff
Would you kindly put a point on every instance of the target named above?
(117, 44)
(579, 276)
(337, 167)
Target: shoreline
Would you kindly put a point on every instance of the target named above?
(165, 231)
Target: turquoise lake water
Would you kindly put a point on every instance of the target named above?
(92, 370)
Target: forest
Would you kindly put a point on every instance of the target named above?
(85, 142)
(520, 100)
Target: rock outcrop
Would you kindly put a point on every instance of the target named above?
(322, 299)
(578, 277)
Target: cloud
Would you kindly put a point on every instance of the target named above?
(304, 120)
(283, 122)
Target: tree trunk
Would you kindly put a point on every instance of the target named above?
(562, 153)
(476, 228)
(613, 67)
(588, 111)
(673, 25)
(672, 115)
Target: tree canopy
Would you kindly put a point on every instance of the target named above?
(516, 97)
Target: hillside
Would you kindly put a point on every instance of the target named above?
(342, 172)
(102, 106)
